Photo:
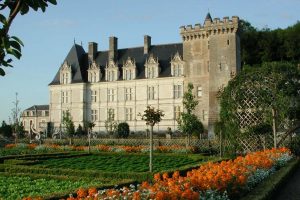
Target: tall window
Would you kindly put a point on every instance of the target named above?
(65, 78)
(204, 115)
(128, 74)
(128, 114)
(128, 94)
(177, 111)
(111, 114)
(151, 72)
(177, 70)
(199, 91)
(111, 95)
(177, 91)
(64, 97)
(94, 115)
(151, 92)
(94, 95)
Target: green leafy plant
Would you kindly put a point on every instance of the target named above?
(11, 45)
(123, 130)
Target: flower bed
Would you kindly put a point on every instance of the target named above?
(224, 180)
(34, 148)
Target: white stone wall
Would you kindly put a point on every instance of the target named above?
(80, 102)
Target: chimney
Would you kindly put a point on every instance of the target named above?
(147, 44)
(113, 48)
(92, 51)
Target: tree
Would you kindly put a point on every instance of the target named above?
(68, 125)
(268, 94)
(11, 45)
(110, 124)
(188, 122)
(123, 130)
(6, 130)
(151, 117)
(80, 131)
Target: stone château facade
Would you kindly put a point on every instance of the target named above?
(120, 83)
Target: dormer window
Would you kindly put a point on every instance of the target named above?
(94, 74)
(129, 69)
(111, 71)
(177, 65)
(65, 73)
(152, 68)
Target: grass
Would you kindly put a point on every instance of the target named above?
(112, 162)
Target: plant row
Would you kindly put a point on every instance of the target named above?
(223, 180)
(34, 148)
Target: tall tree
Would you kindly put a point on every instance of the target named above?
(68, 125)
(188, 122)
(10, 46)
(151, 117)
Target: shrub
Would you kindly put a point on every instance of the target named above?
(294, 146)
(123, 130)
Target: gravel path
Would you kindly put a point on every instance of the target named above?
(291, 189)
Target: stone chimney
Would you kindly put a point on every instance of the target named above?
(92, 51)
(147, 44)
(113, 48)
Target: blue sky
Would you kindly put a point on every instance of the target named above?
(49, 36)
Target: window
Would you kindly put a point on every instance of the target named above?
(177, 89)
(151, 92)
(227, 42)
(94, 95)
(177, 70)
(128, 114)
(111, 75)
(111, 95)
(199, 91)
(65, 78)
(177, 111)
(128, 94)
(150, 72)
(39, 113)
(128, 74)
(207, 66)
(65, 98)
(205, 115)
(94, 116)
(46, 113)
(27, 113)
(111, 114)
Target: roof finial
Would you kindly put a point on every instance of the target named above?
(81, 43)
(74, 40)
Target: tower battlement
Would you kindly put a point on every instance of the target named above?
(215, 26)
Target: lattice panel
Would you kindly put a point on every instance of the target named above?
(247, 109)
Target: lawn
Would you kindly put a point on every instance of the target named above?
(17, 187)
(114, 162)
(57, 175)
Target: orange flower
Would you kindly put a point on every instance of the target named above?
(82, 193)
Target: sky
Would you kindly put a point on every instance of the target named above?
(49, 36)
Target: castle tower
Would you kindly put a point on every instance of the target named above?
(212, 55)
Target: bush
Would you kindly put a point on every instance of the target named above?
(123, 130)
(294, 146)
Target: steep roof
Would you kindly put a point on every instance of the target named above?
(78, 59)
(38, 107)
(75, 58)
(208, 17)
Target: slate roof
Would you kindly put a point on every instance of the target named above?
(78, 59)
(39, 107)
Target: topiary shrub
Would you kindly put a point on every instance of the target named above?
(123, 130)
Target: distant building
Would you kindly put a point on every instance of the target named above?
(120, 83)
(36, 116)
